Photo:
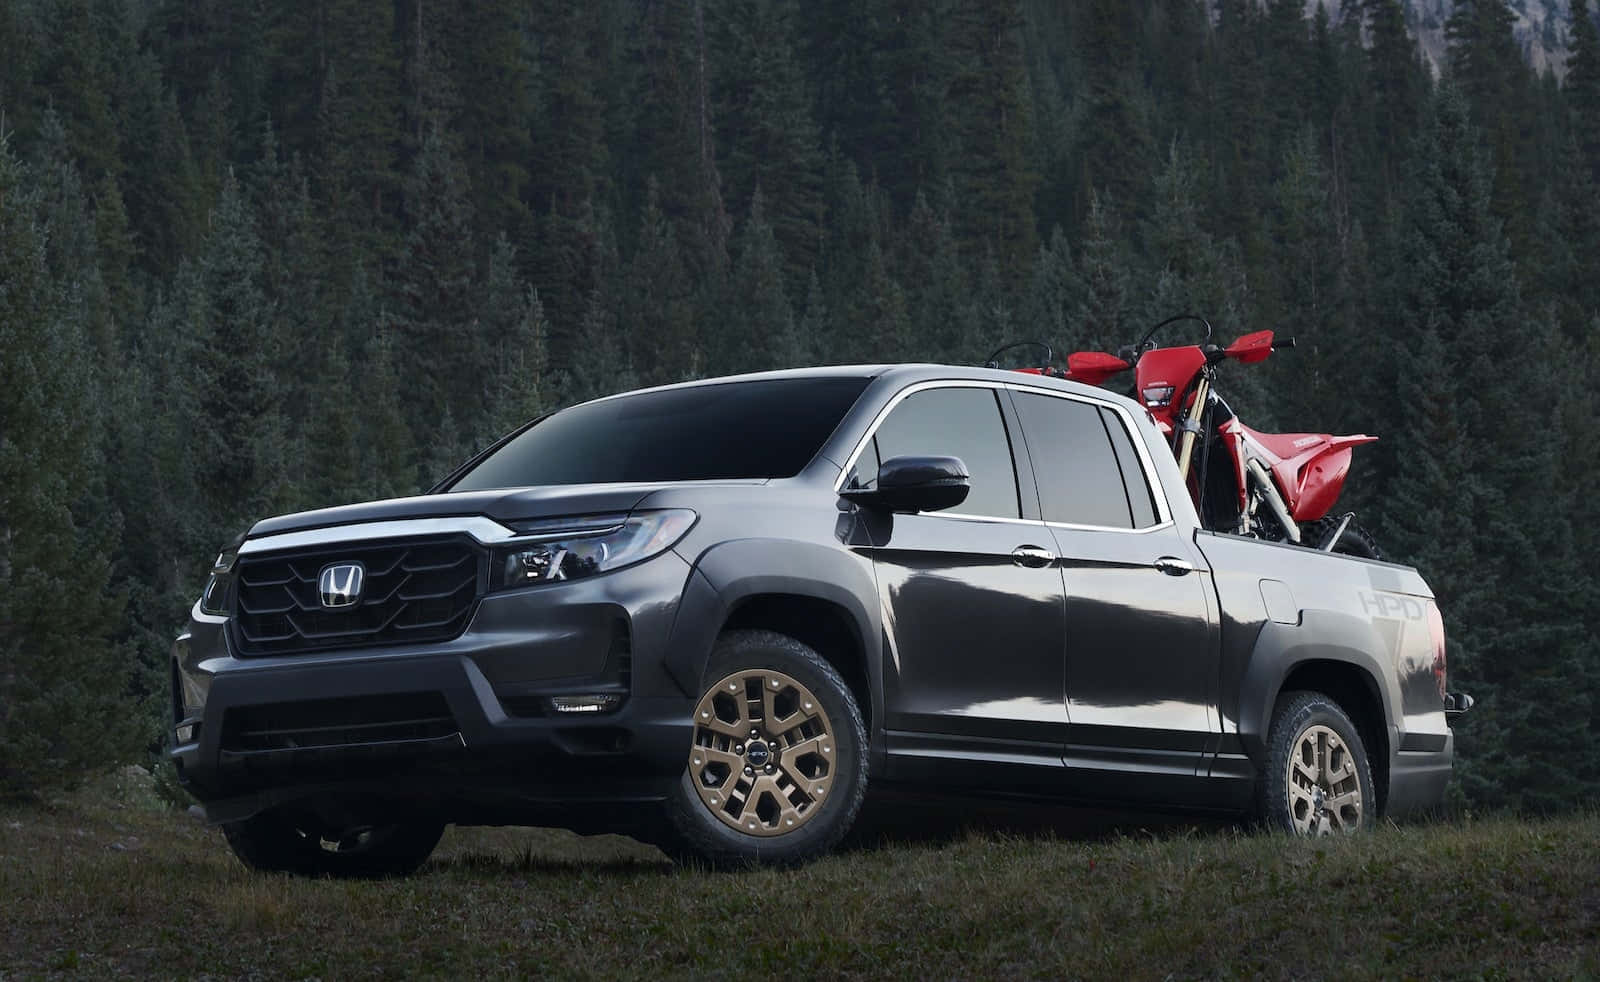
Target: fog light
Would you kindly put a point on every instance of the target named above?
(602, 702)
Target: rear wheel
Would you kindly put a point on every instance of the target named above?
(1317, 780)
(278, 842)
(778, 765)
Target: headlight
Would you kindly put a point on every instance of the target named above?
(1157, 395)
(572, 548)
(215, 598)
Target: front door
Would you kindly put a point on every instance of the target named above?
(972, 604)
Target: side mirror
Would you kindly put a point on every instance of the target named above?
(915, 484)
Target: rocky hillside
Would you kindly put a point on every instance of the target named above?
(1542, 28)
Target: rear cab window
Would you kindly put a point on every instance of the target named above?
(1084, 461)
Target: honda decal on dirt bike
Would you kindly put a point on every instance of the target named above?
(1274, 486)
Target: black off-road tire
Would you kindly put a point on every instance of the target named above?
(820, 755)
(273, 842)
(1313, 743)
(1353, 541)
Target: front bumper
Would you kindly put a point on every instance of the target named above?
(462, 729)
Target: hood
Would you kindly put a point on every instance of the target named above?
(507, 504)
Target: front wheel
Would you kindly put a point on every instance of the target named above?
(1353, 540)
(278, 842)
(778, 765)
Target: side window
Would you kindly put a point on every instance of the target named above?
(1080, 482)
(953, 422)
(1140, 498)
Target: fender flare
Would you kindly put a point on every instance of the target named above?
(1280, 648)
(721, 580)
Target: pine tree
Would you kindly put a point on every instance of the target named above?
(768, 139)
(675, 133)
(243, 345)
(568, 165)
(1238, 131)
(930, 260)
(878, 322)
(815, 327)
(71, 248)
(511, 322)
(1105, 276)
(1054, 295)
(62, 710)
(25, 40)
(1307, 286)
(857, 224)
(495, 81)
(658, 302)
(1397, 84)
(438, 352)
(328, 447)
(521, 382)
(1460, 286)
(1583, 83)
(1287, 61)
(599, 364)
(991, 116)
(1487, 65)
(1564, 262)
(388, 451)
(1114, 141)
(1195, 272)
(881, 71)
(336, 98)
(757, 330)
(117, 252)
(77, 74)
(161, 187)
(297, 262)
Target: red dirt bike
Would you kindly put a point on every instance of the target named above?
(1275, 486)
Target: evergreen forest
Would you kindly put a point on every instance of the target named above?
(268, 256)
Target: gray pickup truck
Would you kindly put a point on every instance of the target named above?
(711, 615)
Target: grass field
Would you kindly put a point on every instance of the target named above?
(109, 882)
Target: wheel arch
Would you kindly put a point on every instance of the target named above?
(825, 626)
(1357, 694)
(824, 597)
(1345, 663)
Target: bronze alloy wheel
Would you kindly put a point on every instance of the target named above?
(763, 752)
(1323, 784)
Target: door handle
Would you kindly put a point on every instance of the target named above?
(1173, 566)
(1032, 557)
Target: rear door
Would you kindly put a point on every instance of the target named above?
(1141, 647)
(971, 598)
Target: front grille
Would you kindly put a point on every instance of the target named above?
(363, 720)
(414, 592)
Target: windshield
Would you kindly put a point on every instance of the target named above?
(767, 428)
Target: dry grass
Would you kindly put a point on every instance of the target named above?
(107, 883)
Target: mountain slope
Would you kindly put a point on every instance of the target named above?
(1542, 28)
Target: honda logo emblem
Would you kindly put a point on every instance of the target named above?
(340, 584)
